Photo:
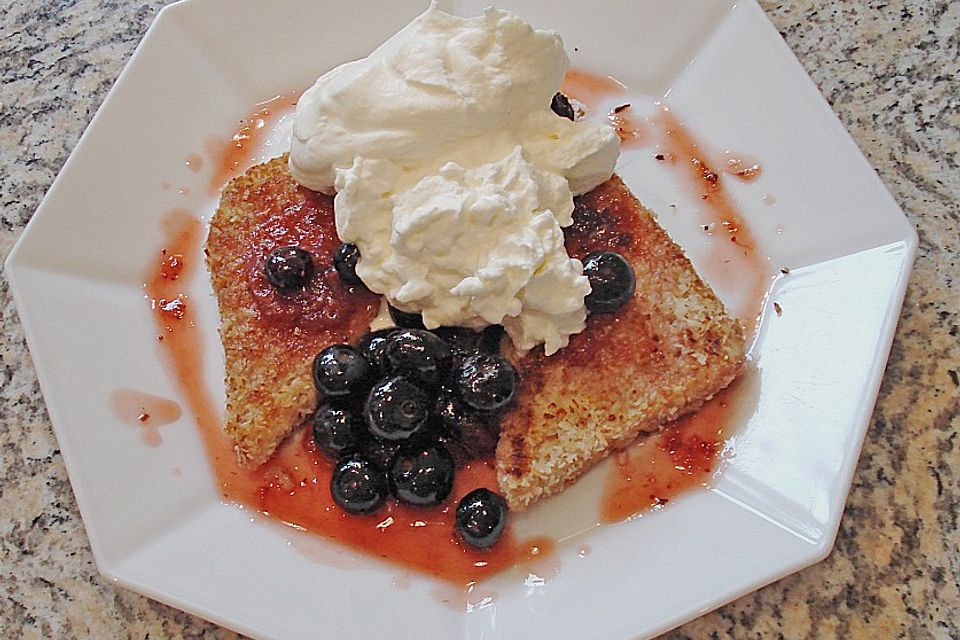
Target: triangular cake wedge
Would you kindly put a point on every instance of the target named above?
(671, 348)
(268, 341)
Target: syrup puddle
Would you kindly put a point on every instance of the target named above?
(194, 162)
(144, 411)
(742, 166)
(541, 571)
(590, 88)
(683, 455)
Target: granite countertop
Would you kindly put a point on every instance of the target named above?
(889, 68)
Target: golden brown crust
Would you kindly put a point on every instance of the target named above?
(670, 349)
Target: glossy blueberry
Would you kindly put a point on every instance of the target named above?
(481, 517)
(345, 261)
(381, 451)
(486, 382)
(492, 337)
(471, 434)
(288, 268)
(417, 354)
(340, 370)
(460, 339)
(463, 342)
(612, 281)
(371, 346)
(358, 485)
(421, 474)
(562, 107)
(406, 319)
(337, 430)
(396, 409)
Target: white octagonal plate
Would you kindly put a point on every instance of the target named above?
(153, 515)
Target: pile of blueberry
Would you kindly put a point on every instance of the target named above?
(402, 406)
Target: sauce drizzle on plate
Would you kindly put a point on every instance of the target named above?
(685, 454)
(231, 157)
(145, 411)
(658, 468)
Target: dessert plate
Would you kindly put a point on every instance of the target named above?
(152, 513)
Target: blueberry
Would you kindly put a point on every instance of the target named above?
(345, 262)
(492, 337)
(562, 107)
(405, 319)
(481, 517)
(486, 382)
(463, 342)
(337, 431)
(339, 370)
(358, 485)
(288, 268)
(460, 339)
(381, 451)
(371, 346)
(396, 409)
(418, 354)
(470, 433)
(612, 281)
(421, 474)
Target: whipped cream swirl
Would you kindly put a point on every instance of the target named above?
(453, 176)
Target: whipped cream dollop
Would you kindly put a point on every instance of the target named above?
(453, 176)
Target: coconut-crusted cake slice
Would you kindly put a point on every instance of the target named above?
(270, 338)
(671, 348)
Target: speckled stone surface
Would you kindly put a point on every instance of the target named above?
(889, 68)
